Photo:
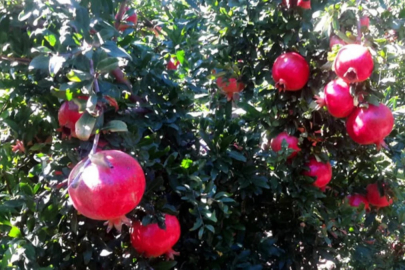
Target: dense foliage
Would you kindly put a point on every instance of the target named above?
(205, 153)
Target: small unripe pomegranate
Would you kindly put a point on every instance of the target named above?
(152, 241)
(374, 197)
(322, 172)
(108, 187)
(334, 40)
(370, 125)
(356, 199)
(354, 63)
(290, 72)
(337, 98)
(276, 143)
(172, 64)
(68, 115)
(230, 86)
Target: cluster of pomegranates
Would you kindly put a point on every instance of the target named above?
(366, 125)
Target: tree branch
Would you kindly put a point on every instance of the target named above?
(24, 61)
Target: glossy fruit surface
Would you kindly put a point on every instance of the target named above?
(370, 125)
(322, 172)
(354, 63)
(337, 98)
(290, 72)
(108, 188)
(68, 115)
(276, 143)
(374, 197)
(356, 200)
(152, 241)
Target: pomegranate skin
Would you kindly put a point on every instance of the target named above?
(305, 4)
(230, 87)
(292, 142)
(356, 199)
(322, 172)
(109, 187)
(171, 65)
(69, 114)
(334, 40)
(374, 198)
(338, 99)
(354, 63)
(151, 241)
(365, 21)
(370, 125)
(133, 19)
(290, 72)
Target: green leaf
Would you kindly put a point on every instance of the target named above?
(186, 163)
(113, 50)
(84, 127)
(40, 62)
(106, 65)
(115, 126)
(14, 232)
(237, 156)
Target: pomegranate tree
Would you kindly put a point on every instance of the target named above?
(356, 200)
(375, 198)
(230, 86)
(290, 72)
(370, 125)
(69, 113)
(292, 142)
(152, 241)
(322, 172)
(107, 187)
(337, 98)
(354, 63)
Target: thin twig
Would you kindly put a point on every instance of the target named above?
(24, 61)
(358, 22)
(120, 14)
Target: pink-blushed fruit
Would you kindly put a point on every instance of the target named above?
(322, 172)
(354, 63)
(152, 241)
(356, 200)
(337, 98)
(68, 115)
(370, 125)
(290, 72)
(374, 197)
(276, 143)
(108, 188)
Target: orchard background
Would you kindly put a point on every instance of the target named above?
(205, 155)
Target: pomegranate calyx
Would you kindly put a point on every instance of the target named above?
(280, 85)
(170, 254)
(351, 74)
(320, 101)
(117, 223)
(383, 144)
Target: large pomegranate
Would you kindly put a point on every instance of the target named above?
(68, 115)
(374, 197)
(109, 187)
(292, 142)
(370, 125)
(322, 172)
(337, 98)
(230, 86)
(356, 199)
(290, 72)
(151, 241)
(354, 63)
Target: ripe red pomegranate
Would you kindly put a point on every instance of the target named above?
(370, 125)
(354, 63)
(334, 40)
(321, 171)
(374, 197)
(131, 19)
(68, 115)
(173, 64)
(109, 187)
(290, 72)
(365, 21)
(305, 4)
(337, 98)
(152, 241)
(292, 142)
(356, 199)
(229, 87)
